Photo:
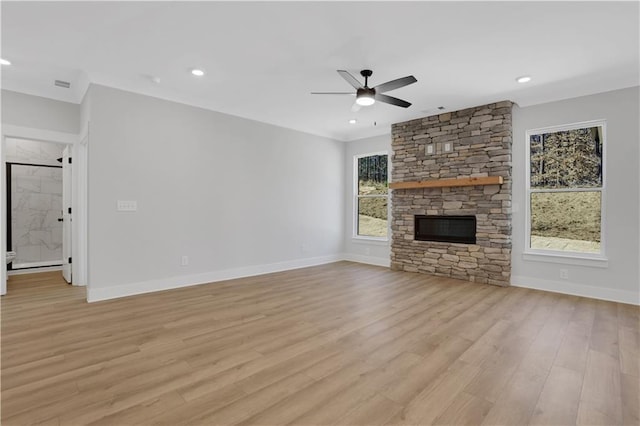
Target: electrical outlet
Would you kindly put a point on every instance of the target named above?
(429, 149)
(448, 146)
(564, 274)
(184, 261)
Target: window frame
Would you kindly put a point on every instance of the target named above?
(555, 256)
(357, 196)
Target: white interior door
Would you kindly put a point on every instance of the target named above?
(66, 214)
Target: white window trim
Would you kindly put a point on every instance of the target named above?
(567, 257)
(354, 226)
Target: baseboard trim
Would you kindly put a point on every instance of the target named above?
(370, 260)
(612, 295)
(124, 290)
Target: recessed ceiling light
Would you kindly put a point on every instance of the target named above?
(353, 121)
(523, 79)
(4, 62)
(197, 72)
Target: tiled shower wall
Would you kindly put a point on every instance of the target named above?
(36, 196)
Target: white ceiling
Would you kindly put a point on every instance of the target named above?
(262, 59)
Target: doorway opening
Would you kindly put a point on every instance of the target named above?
(38, 207)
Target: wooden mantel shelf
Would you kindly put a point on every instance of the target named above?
(442, 183)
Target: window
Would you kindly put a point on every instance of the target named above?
(371, 196)
(565, 189)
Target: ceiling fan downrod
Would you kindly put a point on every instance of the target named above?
(366, 74)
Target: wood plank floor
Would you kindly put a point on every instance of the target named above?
(344, 344)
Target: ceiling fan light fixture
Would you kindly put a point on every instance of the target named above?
(365, 97)
(365, 100)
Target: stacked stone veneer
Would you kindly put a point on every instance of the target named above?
(481, 146)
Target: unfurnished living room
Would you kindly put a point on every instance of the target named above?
(320, 213)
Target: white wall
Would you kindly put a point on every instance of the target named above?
(24, 110)
(620, 279)
(358, 250)
(237, 196)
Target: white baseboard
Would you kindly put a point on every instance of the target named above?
(114, 292)
(601, 293)
(106, 293)
(370, 260)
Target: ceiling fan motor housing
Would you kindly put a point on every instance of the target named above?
(366, 92)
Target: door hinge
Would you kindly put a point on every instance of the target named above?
(69, 210)
(69, 260)
(69, 160)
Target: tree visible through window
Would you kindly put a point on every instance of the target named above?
(565, 189)
(371, 195)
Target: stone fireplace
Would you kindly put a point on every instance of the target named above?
(454, 164)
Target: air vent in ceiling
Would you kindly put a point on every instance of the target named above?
(61, 83)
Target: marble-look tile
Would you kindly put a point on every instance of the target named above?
(54, 253)
(30, 219)
(19, 237)
(25, 254)
(39, 201)
(56, 202)
(26, 183)
(56, 236)
(50, 220)
(36, 152)
(19, 202)
(48, 172)
(51, 150)
(27, 150)
(40, 237)
(50, 186)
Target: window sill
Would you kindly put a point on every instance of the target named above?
(368, 240)
(567, 259)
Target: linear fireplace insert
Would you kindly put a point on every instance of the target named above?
(449, 229)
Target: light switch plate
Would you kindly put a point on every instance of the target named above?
(429, 149)
(127, 206)
(447, 147)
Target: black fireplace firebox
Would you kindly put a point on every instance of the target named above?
(448, 229)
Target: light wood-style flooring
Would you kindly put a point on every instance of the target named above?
(344, 343)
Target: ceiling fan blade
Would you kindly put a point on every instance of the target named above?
(395, 84)
(355, 107)
(332, 93)
(391, 100)
(350, 79)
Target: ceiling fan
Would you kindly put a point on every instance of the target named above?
(366, 95)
